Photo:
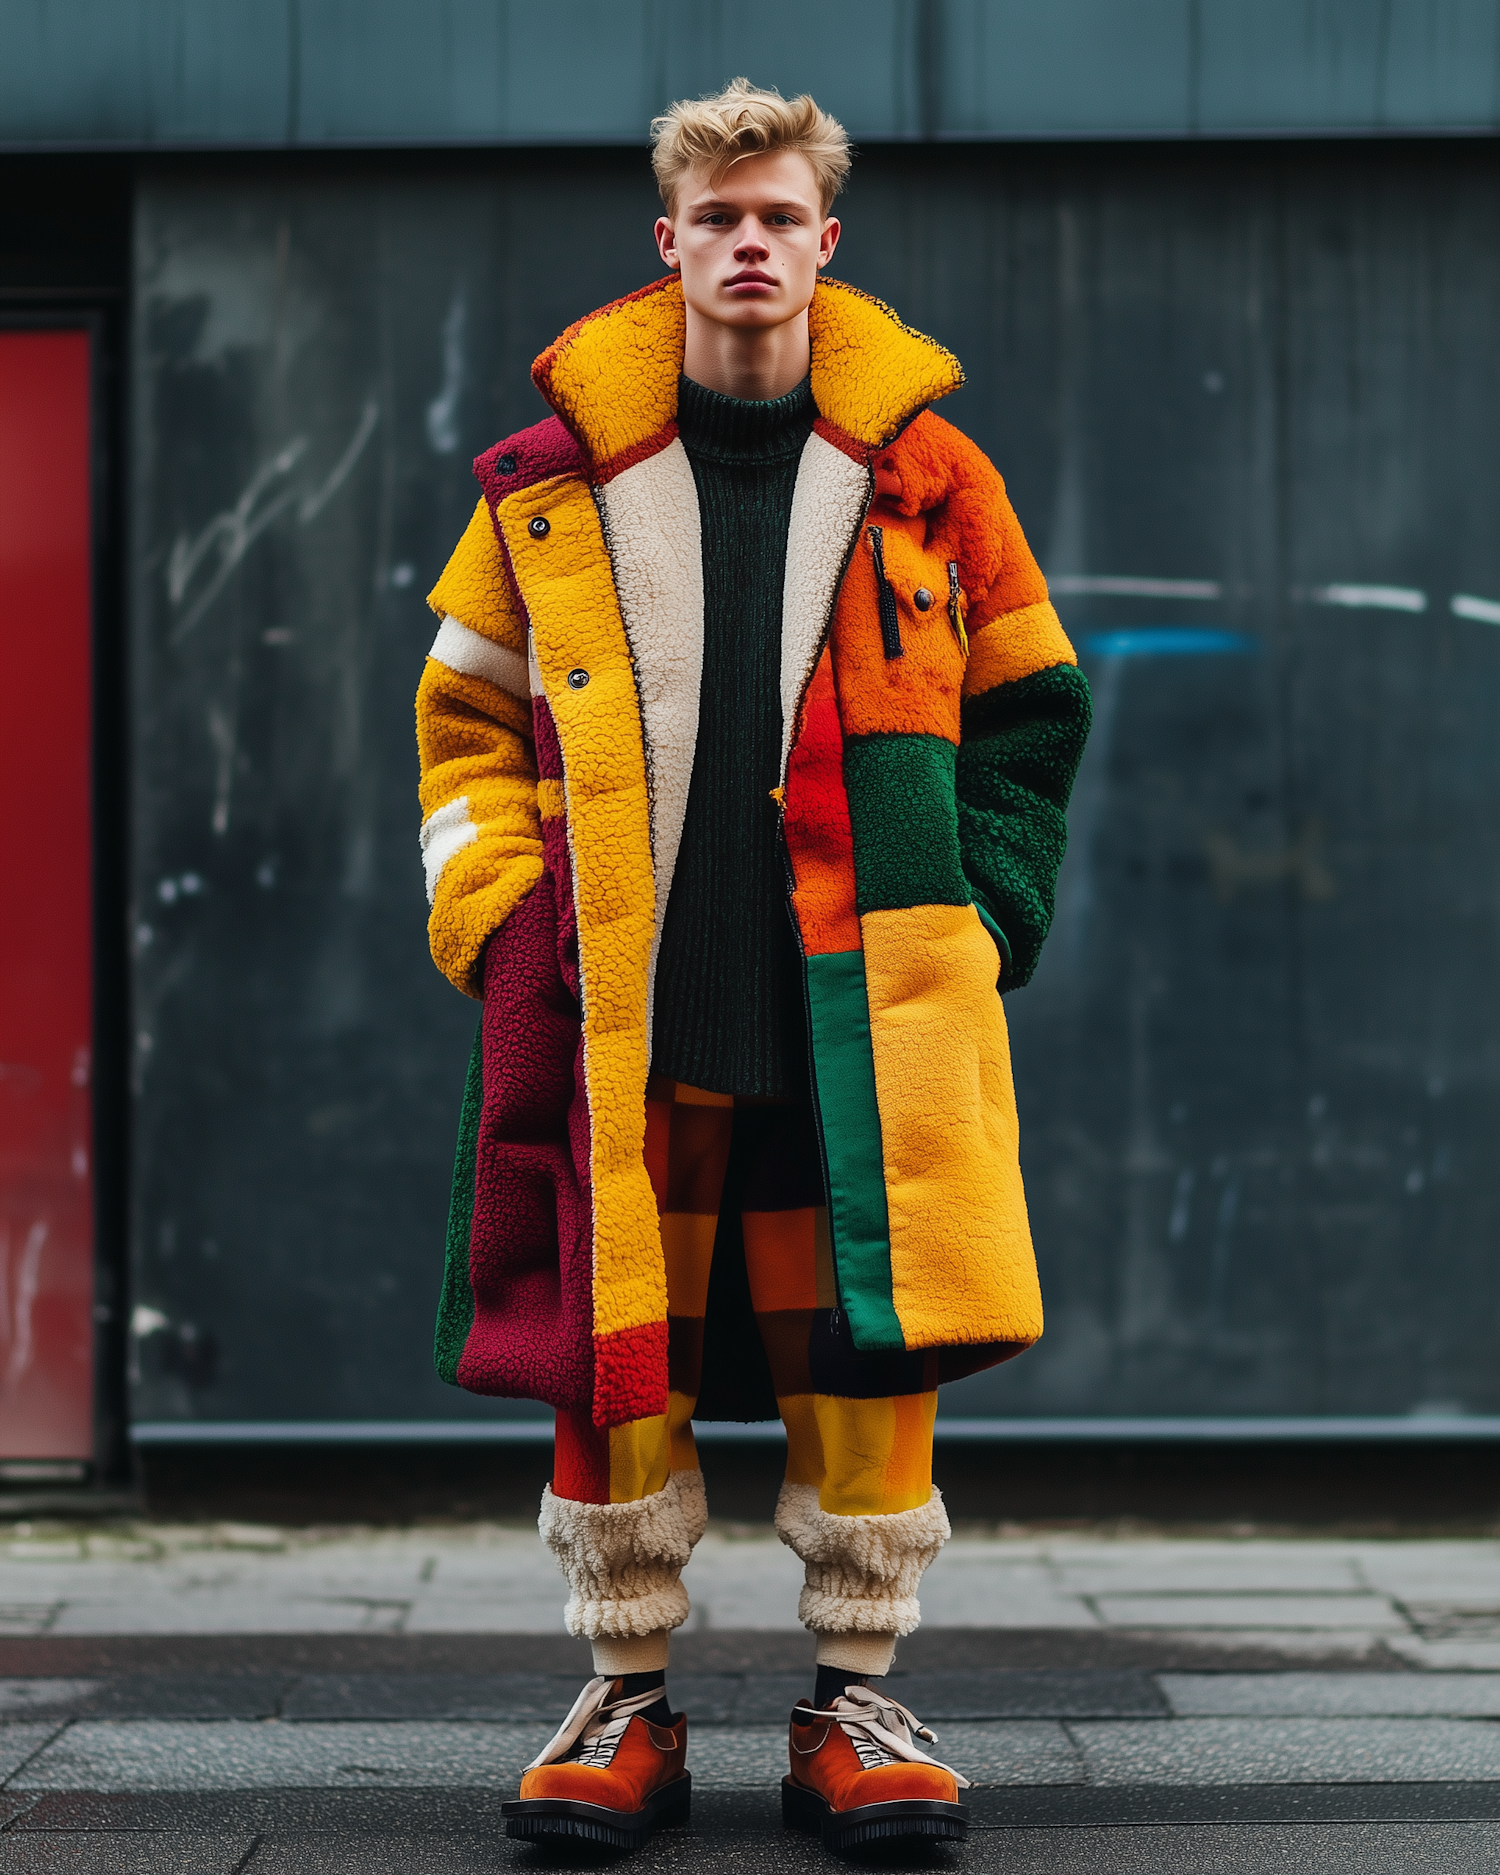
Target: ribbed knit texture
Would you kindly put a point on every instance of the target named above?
(728, 1006)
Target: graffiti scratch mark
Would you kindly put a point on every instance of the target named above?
(229, 536)
(232, 534)
(311, 506)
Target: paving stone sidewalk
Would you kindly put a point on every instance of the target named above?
(1431, 1603)
(231, 1698)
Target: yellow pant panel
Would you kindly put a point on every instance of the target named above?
(867, 1458)
(643, 1451)
(639, 1459)
(804, 1440)
(908, 1473)
(877, 1454)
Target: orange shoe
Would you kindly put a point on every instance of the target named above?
(608, 1777)
(859, 1777)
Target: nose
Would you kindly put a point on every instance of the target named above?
(750, 243)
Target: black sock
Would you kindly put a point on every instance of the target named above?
(831, 1682)
(633, 1683)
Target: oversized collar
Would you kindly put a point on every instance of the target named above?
(612, 377)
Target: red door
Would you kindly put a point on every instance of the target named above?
(46, 949)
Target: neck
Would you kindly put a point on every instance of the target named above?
(755, 364)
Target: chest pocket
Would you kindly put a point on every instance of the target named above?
(905, 591)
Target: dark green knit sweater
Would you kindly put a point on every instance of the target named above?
(727, 1014)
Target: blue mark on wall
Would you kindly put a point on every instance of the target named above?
(1166, 641)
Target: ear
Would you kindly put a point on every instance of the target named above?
(828, 240)
(666, 243)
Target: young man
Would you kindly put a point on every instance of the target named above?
(742, 630)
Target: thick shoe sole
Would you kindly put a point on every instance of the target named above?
(550, 1819)
(842, 1830)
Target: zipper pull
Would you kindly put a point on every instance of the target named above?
(890, 618)
(955, 617)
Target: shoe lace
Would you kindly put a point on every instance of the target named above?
(882, 1730)
(592, 1731)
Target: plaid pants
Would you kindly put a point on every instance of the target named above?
(858, 1426)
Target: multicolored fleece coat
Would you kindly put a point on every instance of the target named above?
(934, 716)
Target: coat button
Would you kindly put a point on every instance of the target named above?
(576, 679)
(540, 525)
(506, 466)
(922, 598)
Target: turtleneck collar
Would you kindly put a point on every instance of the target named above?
(732, 429)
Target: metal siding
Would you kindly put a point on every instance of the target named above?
(1292, 66)
(143, 73)
(1442, 65)
(1259, 1068)
(1284, 64)
(387, 71)
(131, 73)
(865, 62)
(585, 71)
(218, 73)
(1068, 68)
(578, 71)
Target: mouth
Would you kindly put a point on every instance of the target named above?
(750, 281)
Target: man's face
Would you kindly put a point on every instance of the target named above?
(749, 248)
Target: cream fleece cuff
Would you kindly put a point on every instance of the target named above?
(623, 1561)
(861, 1572)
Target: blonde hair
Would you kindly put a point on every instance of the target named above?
(714, 133)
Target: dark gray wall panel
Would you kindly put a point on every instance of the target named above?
(1259, 1065)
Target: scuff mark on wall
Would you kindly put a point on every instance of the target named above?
(221, 732)
(442, 412)
(1235, 870)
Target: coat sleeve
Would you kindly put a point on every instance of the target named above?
(481, 835)
(1024, 719)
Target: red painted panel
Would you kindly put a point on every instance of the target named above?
(46, 1017)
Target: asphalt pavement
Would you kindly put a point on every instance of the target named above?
(222, 1698)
